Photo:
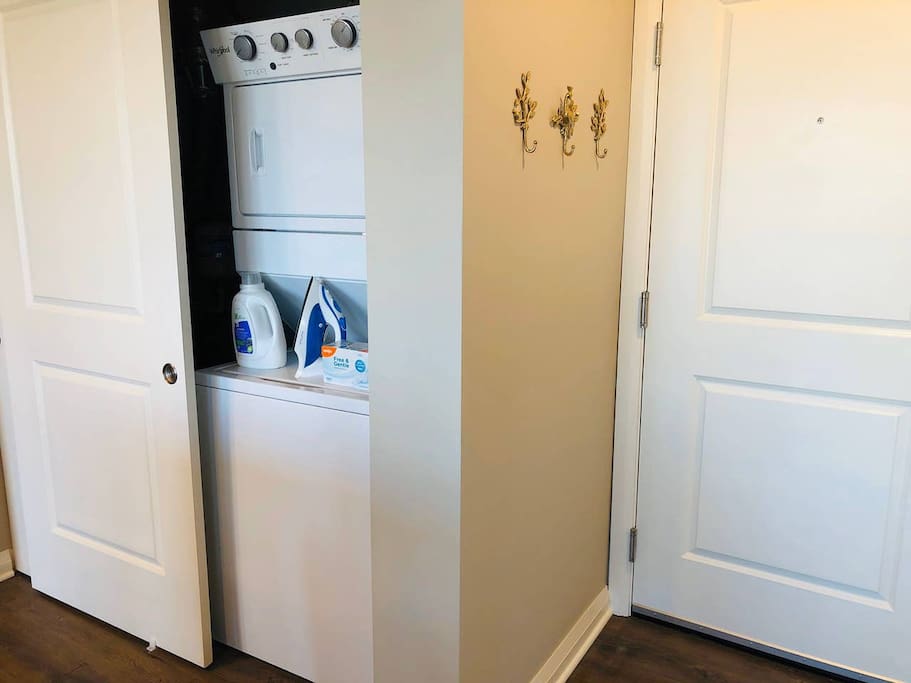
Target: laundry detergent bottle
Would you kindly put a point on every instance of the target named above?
(259, 338)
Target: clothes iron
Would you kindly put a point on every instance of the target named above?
(322, 322)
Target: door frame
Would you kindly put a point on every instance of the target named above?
(634, 281)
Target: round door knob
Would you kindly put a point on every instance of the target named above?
(245, 48)
(304, 38)
(280, 42)
(344, 33)
(169, 373)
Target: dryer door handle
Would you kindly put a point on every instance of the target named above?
(257, 161)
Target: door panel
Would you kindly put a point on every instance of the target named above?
(778, 477)
(91, 308)
(808, 134)
(50, 112)
(99, 461)
(776, 425)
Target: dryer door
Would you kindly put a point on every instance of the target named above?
(298, 151)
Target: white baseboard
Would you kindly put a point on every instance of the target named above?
(6, 565)
(573, 647)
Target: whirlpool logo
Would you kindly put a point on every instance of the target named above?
(219, 51)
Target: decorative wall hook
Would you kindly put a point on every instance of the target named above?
(523, 111)
(599, 124)
(565, 119)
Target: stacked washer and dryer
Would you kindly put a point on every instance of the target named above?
(286, 467)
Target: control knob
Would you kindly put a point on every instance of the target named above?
(279, 42)
(344, 33)
(304, 38)
(245, 48)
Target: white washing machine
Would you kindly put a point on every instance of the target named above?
(286, 468)
(286, 484)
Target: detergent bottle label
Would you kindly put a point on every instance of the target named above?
(243, 339)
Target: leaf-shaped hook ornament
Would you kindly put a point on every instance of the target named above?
(599, 124)
(565, 119)
(523, 111)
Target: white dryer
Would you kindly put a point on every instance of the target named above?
(295, 142)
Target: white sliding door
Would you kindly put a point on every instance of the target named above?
(93, 304)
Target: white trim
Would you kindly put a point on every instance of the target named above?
(634, 280)
(6, 565)
(572, 648)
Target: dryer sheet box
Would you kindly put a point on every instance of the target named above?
(345, 364)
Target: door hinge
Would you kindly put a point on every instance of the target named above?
(633, 538)
(643, 309)
(659, 42)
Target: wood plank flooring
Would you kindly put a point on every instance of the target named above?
(42, 640)
(638, 650)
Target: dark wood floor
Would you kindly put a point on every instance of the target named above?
(44, 640)
(637, 650)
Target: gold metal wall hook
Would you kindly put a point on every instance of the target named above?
(523, 111)
(599, 124)
(565, 119)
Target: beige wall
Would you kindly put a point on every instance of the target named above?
(413, 126)
(6, 540)
(490, 455)
(541, 286)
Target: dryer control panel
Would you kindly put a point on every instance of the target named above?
(302, 45)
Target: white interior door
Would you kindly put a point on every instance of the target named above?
(91, 308)
(774, 473)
